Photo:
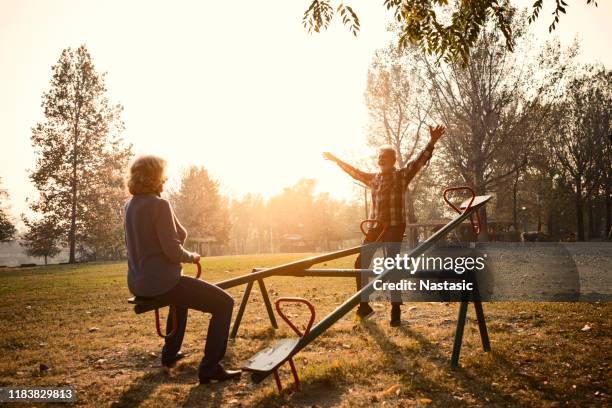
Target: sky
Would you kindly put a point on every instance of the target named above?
(238, 87)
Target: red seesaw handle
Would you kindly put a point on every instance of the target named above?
(199, 270)
(475, 226)
(376, 222)
(286, 319)
(174, 323)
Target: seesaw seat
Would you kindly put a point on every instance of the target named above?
(268, 359)
(478, 200)
(145, 304)
(272, 357)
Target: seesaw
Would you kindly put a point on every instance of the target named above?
(269, 360)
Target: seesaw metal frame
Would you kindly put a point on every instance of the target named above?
(301, 268)
(466, 297)
(351, 302)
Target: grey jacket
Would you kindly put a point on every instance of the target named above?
(154, 239)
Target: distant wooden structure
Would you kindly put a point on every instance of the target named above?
(205, 246)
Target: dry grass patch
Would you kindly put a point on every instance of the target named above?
(75, 320)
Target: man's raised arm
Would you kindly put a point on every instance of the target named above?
(357, 174)
(413, 167)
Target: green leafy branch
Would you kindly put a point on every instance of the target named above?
(420, 25)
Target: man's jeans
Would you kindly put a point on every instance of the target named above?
(394, 235)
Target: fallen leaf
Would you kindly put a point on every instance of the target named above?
(392, 389)
(425, 401)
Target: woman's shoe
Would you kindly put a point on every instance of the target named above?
(172, 362)
(219, 374)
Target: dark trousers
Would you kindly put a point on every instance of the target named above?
(393, 237)
(195, 294)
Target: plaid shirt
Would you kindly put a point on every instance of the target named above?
(389, 189)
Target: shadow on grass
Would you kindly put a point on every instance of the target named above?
(500, 365)
(417, 381)
(318, 387)
(140, 390)
(146, 385)
(210, 395)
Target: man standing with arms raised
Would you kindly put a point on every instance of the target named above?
(388, 188)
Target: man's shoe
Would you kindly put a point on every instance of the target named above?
(396, 316)
(364, 311)
(218, 374)
(172, 362)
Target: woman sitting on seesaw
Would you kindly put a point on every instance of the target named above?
(154, 238)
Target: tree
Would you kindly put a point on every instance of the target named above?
(41, 238)
(104, 225)
(75, 145)
(200, 207)
(292, 212)
(295, 219)
(583, 143)
(494, 109)
(398, 106)
(7, 229)
(250, 229)
(447, 30)
(315, 220)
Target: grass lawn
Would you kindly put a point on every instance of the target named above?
(75, 320)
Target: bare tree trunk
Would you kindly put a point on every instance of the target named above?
(483, 236)
(608, 230)
(479, 187)
(591, 229)
(515, 201)
(550, 225)
(579, 210)
(539, 221)
(72, 233)
(553, 217)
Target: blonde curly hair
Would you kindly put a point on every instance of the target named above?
(147, 175)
